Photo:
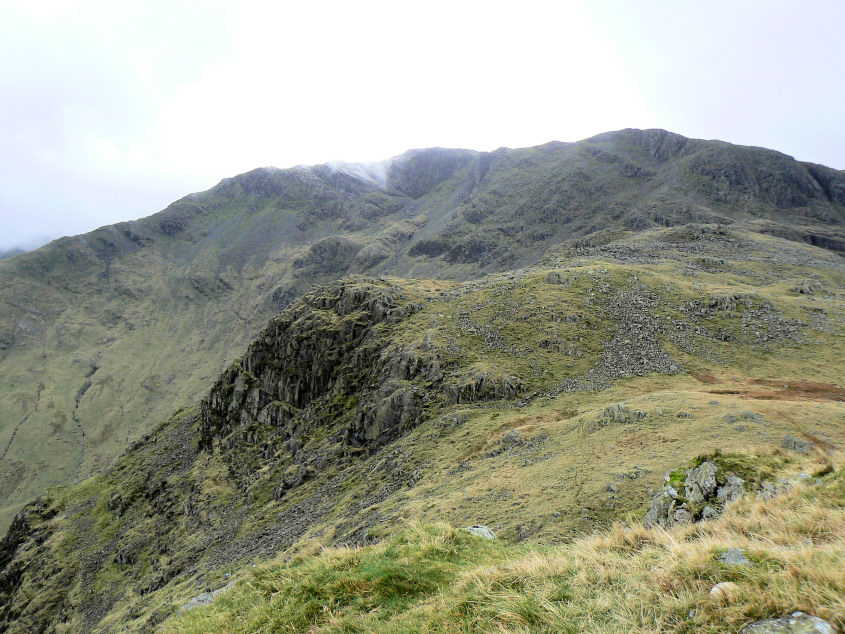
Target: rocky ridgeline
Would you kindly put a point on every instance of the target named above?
(325, 349)
(330, 367)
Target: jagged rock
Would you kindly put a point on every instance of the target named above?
(294, 476)
(731, 491)
(117, 504)
(524, 531)
(557, 278)
(480, 531)
(482, 385)
(659, 512)
(735, 557)
(703, 498)
(127, 556)
(394, 407)
(620, 414)
(726, 304)
(680, 515)
(617, 414)
(795, 623)
(319, 348)
(701, 482)
(807, 287)
(511, 439)
(710, 513)
(797, 444)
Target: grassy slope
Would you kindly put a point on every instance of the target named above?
(433, 578)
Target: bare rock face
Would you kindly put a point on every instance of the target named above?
(331, 254)
(321, 349)
(329, 367)
(701, 482)
(701, 493)
(797, 444)
(481, 385)
(617, 414)
(417, 172)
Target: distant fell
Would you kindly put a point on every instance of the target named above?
(103, 334)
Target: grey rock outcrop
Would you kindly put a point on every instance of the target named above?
(807, 287)
(481, 385)
(795, 623)
(701, 493)
(734, 557)
(617, 414)
(205, 598)
(797, 444)
(480, 531)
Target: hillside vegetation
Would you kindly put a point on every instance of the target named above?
(547, 402)
(433, 578)
(104, 335)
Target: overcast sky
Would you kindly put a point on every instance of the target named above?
(111, 110)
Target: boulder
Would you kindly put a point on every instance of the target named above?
(699, 498)
(725, 591)
(795, 623)
(617, 414)
(768, 490)
(730, 491)
(480, 531)
(735, 557)
(797, 444)
(557, 278)
(807, 287)
(701, 482)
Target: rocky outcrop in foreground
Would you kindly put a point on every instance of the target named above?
(700, 493)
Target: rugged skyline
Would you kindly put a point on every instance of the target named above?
(99, 126)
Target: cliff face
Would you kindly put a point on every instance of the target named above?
(323, 360)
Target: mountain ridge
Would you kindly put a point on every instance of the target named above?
(102, 333)
(544, 402)
(295, 387)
